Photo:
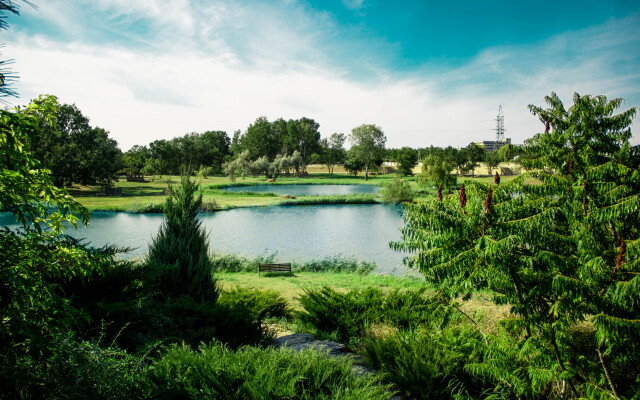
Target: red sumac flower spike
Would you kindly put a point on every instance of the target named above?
(440, 193)
(496, 179)
(463, 196)
(487, 202)
(621, 253)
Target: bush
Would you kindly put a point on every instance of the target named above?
(253, 373)
(233, 263)
(348, 316)
(425, 364)
(35, 270)
(267, 303)
(397, 191)
(68, 369)
(336, 265)
(149, 207)
(182, 247)
(183, 319)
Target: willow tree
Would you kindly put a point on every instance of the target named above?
(559, 253)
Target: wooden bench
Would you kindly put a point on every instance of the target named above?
(275, 268)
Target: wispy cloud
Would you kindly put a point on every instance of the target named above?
(181, 66)
(353, 4)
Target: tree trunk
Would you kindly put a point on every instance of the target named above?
(606, 370)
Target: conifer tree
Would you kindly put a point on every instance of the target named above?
(181, 247)
(558, 253)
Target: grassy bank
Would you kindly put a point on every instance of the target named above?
(148, 196)
(140, 196)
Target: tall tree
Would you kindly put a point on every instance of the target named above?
(475, 154)
(303, 136)
(367, 146)
(437, 170)
(74, 151)
(260, 139)
(556, 252)
(407, 158)
(492, 160)
(332, 150)
(135, 158)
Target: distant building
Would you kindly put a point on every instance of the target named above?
(493, 145)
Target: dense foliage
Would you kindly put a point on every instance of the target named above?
(407, 159)
(348, 316)
(27, 189)
(559, 253)
(429, 363)
(251, 373)
(280, 137)
(74, 151)
(437, 171)
(192, 152)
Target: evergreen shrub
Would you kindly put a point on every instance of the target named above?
(430, 364)
(265, 303)
(72, 369)
(348, 316)
(253, 373)
(182, 247)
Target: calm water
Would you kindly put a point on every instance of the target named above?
(300, 233)
(305, 190)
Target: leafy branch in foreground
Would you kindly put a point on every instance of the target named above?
(559, 253)
(26, 189)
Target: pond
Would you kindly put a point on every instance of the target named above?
(300, 233)
(305, 190)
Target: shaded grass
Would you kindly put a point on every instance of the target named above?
(292, 287)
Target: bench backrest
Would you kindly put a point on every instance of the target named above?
(274, 268)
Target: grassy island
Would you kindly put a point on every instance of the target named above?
(148, 196)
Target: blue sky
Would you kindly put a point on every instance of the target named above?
(428, 73)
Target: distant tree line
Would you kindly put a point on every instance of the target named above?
(283, 146)
(77, 153)
(191, 153)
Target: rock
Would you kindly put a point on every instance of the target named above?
(304, 341)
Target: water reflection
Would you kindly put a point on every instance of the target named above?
(300, 233)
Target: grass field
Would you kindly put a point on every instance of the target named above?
(140, 196)
(291, 287)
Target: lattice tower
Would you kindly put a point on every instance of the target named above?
(500, 126)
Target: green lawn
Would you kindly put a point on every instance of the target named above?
(291, 287)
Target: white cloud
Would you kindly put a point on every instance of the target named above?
(205, 70)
